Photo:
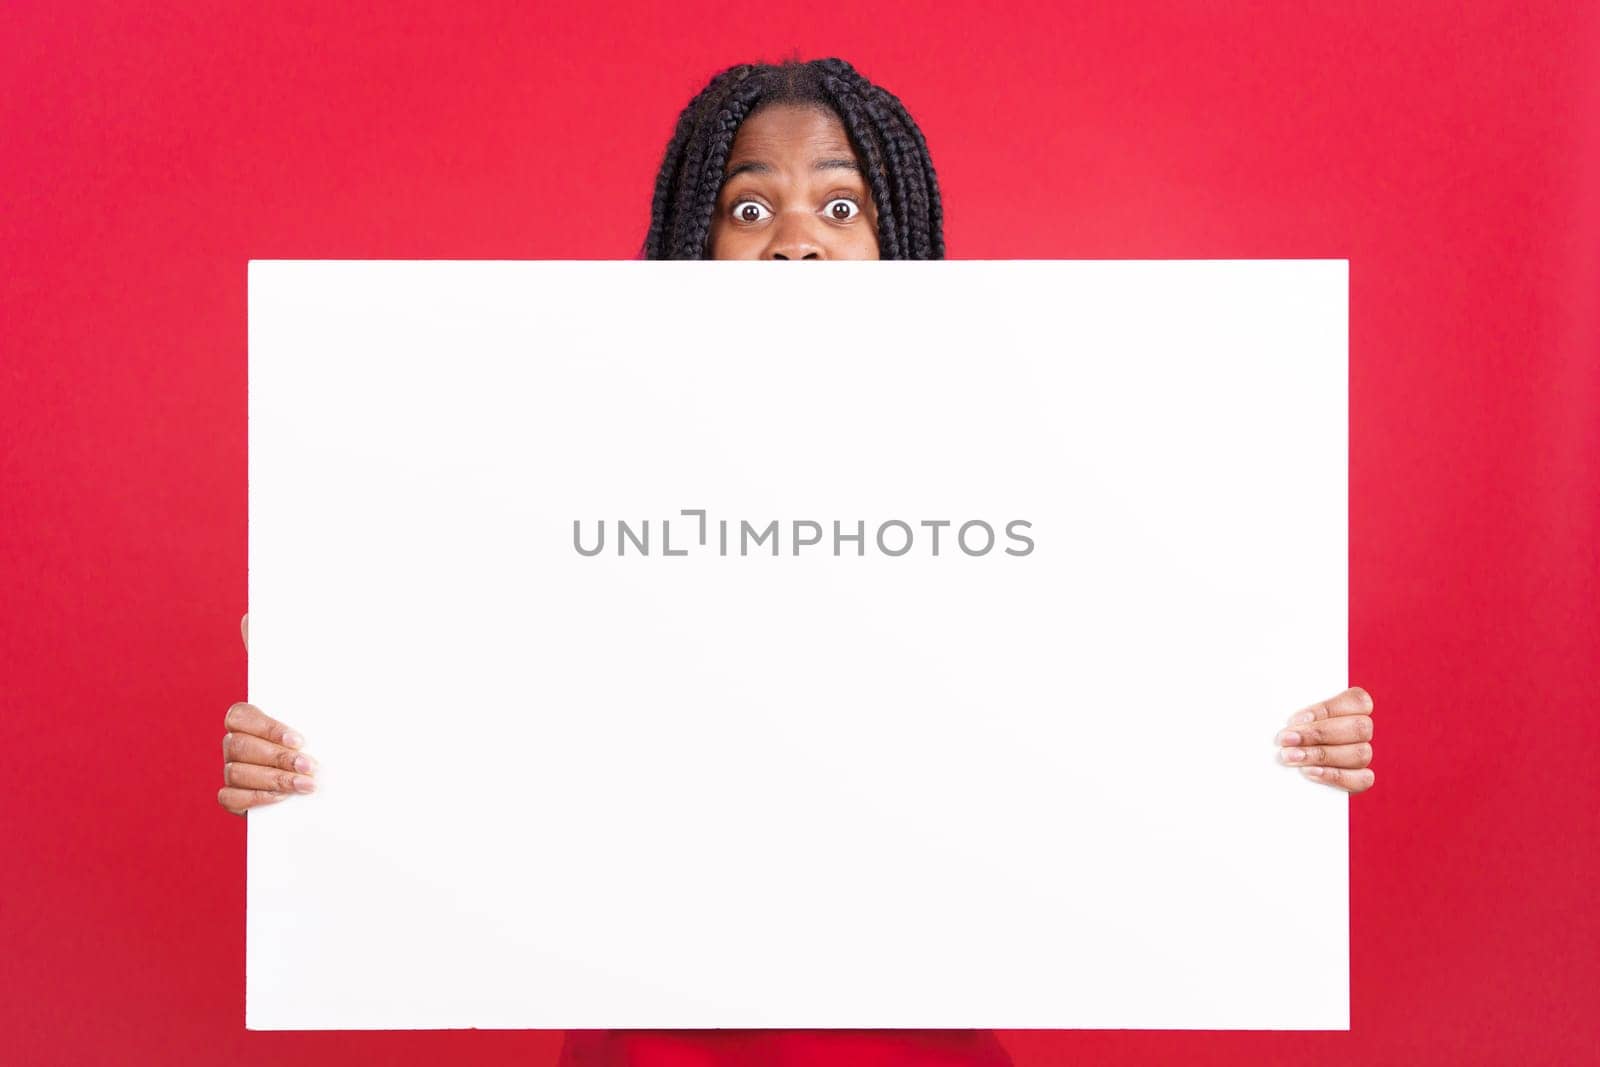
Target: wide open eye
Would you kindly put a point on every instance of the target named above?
(841, 209)
(750, 211)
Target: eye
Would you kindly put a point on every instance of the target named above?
(750, 211)
(841, 209)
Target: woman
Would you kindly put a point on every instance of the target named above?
(794, 161)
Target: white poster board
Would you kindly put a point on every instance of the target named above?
(842, 785)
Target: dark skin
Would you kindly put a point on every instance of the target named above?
(793, 190)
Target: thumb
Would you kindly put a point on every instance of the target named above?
(244, 630)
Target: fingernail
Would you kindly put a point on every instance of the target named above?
(1311, 772)
(292, 739)
(304, 764)
(1288, 737)
(304, 785)
(1291, 755)
(1301, 718)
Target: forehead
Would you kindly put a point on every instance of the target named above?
(790, 132)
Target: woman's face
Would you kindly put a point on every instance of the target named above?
(793, 189)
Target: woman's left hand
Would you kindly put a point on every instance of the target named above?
(1331, 742)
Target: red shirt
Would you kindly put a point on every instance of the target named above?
(782, 1048)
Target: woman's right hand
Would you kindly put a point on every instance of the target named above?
(261, 758)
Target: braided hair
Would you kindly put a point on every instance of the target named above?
(893, 154)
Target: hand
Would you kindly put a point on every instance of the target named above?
(1331, 742)
(261, 761)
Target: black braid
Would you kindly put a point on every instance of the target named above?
(893, 152)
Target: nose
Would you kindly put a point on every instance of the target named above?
(794, 238)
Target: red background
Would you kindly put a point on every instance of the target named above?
(1451, 153)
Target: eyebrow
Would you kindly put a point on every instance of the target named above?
(756, 166)
(837, 164)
